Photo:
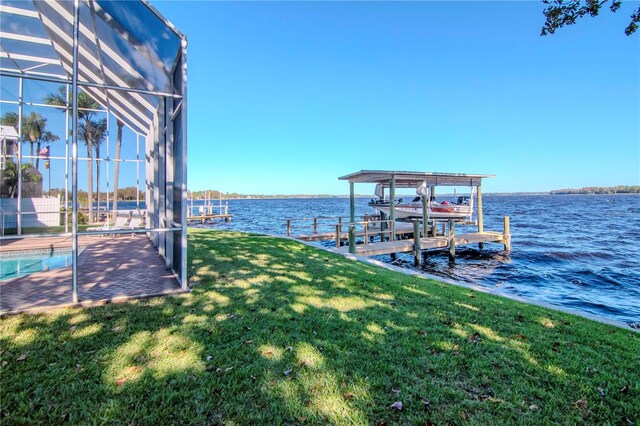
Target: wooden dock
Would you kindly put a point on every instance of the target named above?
(384, 233)
(428, 243)
(400, 237)
(207, 212)
(203, 218)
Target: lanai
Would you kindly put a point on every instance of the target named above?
(132, 62)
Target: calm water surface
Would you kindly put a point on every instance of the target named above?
(575, 251)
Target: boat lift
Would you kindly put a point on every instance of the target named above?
(425, 232)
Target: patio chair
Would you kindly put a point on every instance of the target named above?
(136, 221)
(122, 219)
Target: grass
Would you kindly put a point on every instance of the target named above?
(276, 332)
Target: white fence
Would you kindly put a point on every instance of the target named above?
(43, 211)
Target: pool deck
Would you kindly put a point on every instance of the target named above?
(47, 243)
(110, 269)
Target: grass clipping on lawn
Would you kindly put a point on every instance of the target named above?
(277, 332)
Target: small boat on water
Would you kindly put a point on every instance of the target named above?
(461, 209)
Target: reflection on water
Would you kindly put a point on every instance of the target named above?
(581, 252)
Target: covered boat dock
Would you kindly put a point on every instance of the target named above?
(415, 234)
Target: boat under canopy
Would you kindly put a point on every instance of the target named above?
(424, 183)
(461, 209)
(424, 207)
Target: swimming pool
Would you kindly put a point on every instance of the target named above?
(19, 264)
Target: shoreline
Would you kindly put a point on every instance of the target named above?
(482, 289)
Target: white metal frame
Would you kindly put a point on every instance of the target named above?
(80, 69)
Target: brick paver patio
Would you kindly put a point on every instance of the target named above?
(108, 269)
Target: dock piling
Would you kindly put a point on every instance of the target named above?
(288, 227)
(507, 234)
(352, 238)
(425, 217)
(480, 218)
(452, 238)
(392, 205)
(338, 233)
(417, 250)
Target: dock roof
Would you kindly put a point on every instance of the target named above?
(406, 179)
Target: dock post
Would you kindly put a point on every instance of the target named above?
(480, 218)
(352, 238)
(452, 238)
(507, 234)
(352, 219)
(315, 225)
(392, 205)
(338, 232)
(352, 203)
(417, 251)
(288, 227)
(366, 232)
(425, 217)
(382, 226)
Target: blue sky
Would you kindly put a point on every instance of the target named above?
(284, 97)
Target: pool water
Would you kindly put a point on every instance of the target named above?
(14, 265)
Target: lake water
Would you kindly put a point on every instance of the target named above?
(576, 251)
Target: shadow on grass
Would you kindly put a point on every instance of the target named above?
(281, 333)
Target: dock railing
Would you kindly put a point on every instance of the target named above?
(320, 224)
(386, 227)
(208, 210)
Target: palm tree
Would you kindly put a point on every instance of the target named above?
(33, 129)
(89, 130)
(116, 166)
(99, 131)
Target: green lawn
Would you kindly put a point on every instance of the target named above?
(277, 332)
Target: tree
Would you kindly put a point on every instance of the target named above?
(34, 130)
(89, 129)
(116, 166)
(10, 119)
(32, 127)
(9, 178)
(560, 13)
(98, 130)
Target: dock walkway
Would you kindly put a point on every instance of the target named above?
(428, 243)
(205, 217)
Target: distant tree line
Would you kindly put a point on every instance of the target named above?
(124, 194)
(214, 195)
(620, 189)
